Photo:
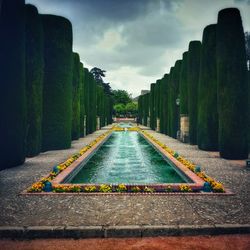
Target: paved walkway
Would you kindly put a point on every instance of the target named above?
(176, 211)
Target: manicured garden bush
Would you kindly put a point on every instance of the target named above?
(140, 111)
(232, 85)
(152, 106)
(207, 124)
(175, 116)
(193, 68)
(86, 75)
(145, 108)
(76, 93)
(170, 101)
(165, 83)
(184, 85)
(12, 78)
(34, 79)
(101, 104)
(157, 100)
(82, 97)
(57, 94)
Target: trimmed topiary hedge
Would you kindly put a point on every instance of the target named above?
(76, 93)
(57, 94)
(152, 106)
(232, 85)
(175, 118)
(34, 79)
(12, 77)
(82, 97)
(193, 68)
(207, 124)
(184, 85)
(165, 82)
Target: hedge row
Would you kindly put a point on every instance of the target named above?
(48, 96)
(210, 83)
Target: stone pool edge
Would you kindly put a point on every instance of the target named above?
(128, 231)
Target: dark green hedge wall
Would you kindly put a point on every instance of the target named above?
(184, 85)
(193, 68)
(34, 79)
(165, 82)
(12, 87)
(152, 107)
(91, 115)
(207, 124)
(86, 99)
(57, 94)
(82, 97)
(232, 85)
(76, 93)
(139, 117)
(170, 101)
(176, 108)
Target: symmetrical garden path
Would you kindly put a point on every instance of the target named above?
(151, 212)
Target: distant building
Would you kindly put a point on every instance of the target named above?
(143, 92)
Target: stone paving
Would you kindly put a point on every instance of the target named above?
(125, 210)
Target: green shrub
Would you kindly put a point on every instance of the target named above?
(193, 68)
(34, 79)
(57, 94)
(82, 97)
(184, 85)
(152, 106)
(207, 124)
(12, 87)
(76, 93)
(232, 85)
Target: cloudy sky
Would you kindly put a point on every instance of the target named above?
(137, 41)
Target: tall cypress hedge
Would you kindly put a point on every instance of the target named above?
(232, 85)
(82, 97)
(101, 105)
(184, 85)
(12, 87)
(165, 80)
(57, 94)
(91, 115)
(145, 108)
(34, 79)
(175, 123)
(140, 109)
(193, 67)
(86, 99)
(76, 88)
(157, 99)
(152, 106)
(161, 105)
(207, 124)
(170, 100)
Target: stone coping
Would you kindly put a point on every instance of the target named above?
(77, 232)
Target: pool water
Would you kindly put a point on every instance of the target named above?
(126, 157)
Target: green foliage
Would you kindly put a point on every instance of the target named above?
(76, 93)
(192, 82)
(86, 75)
(184, 85)
(140, 110)
(207, 127)
(175, 122)
(120, 109)
(82, 98)
(121, 96)
(165, 82)
(232, 85)
(152, 106)
(34, 79)
(57, 94)
(12, 87)
(145, 105)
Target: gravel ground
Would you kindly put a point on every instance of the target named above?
(115, 210)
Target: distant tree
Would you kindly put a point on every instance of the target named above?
(131, 108)
(98, 74)
(247, 39)
(120, 109)
(121, 96)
